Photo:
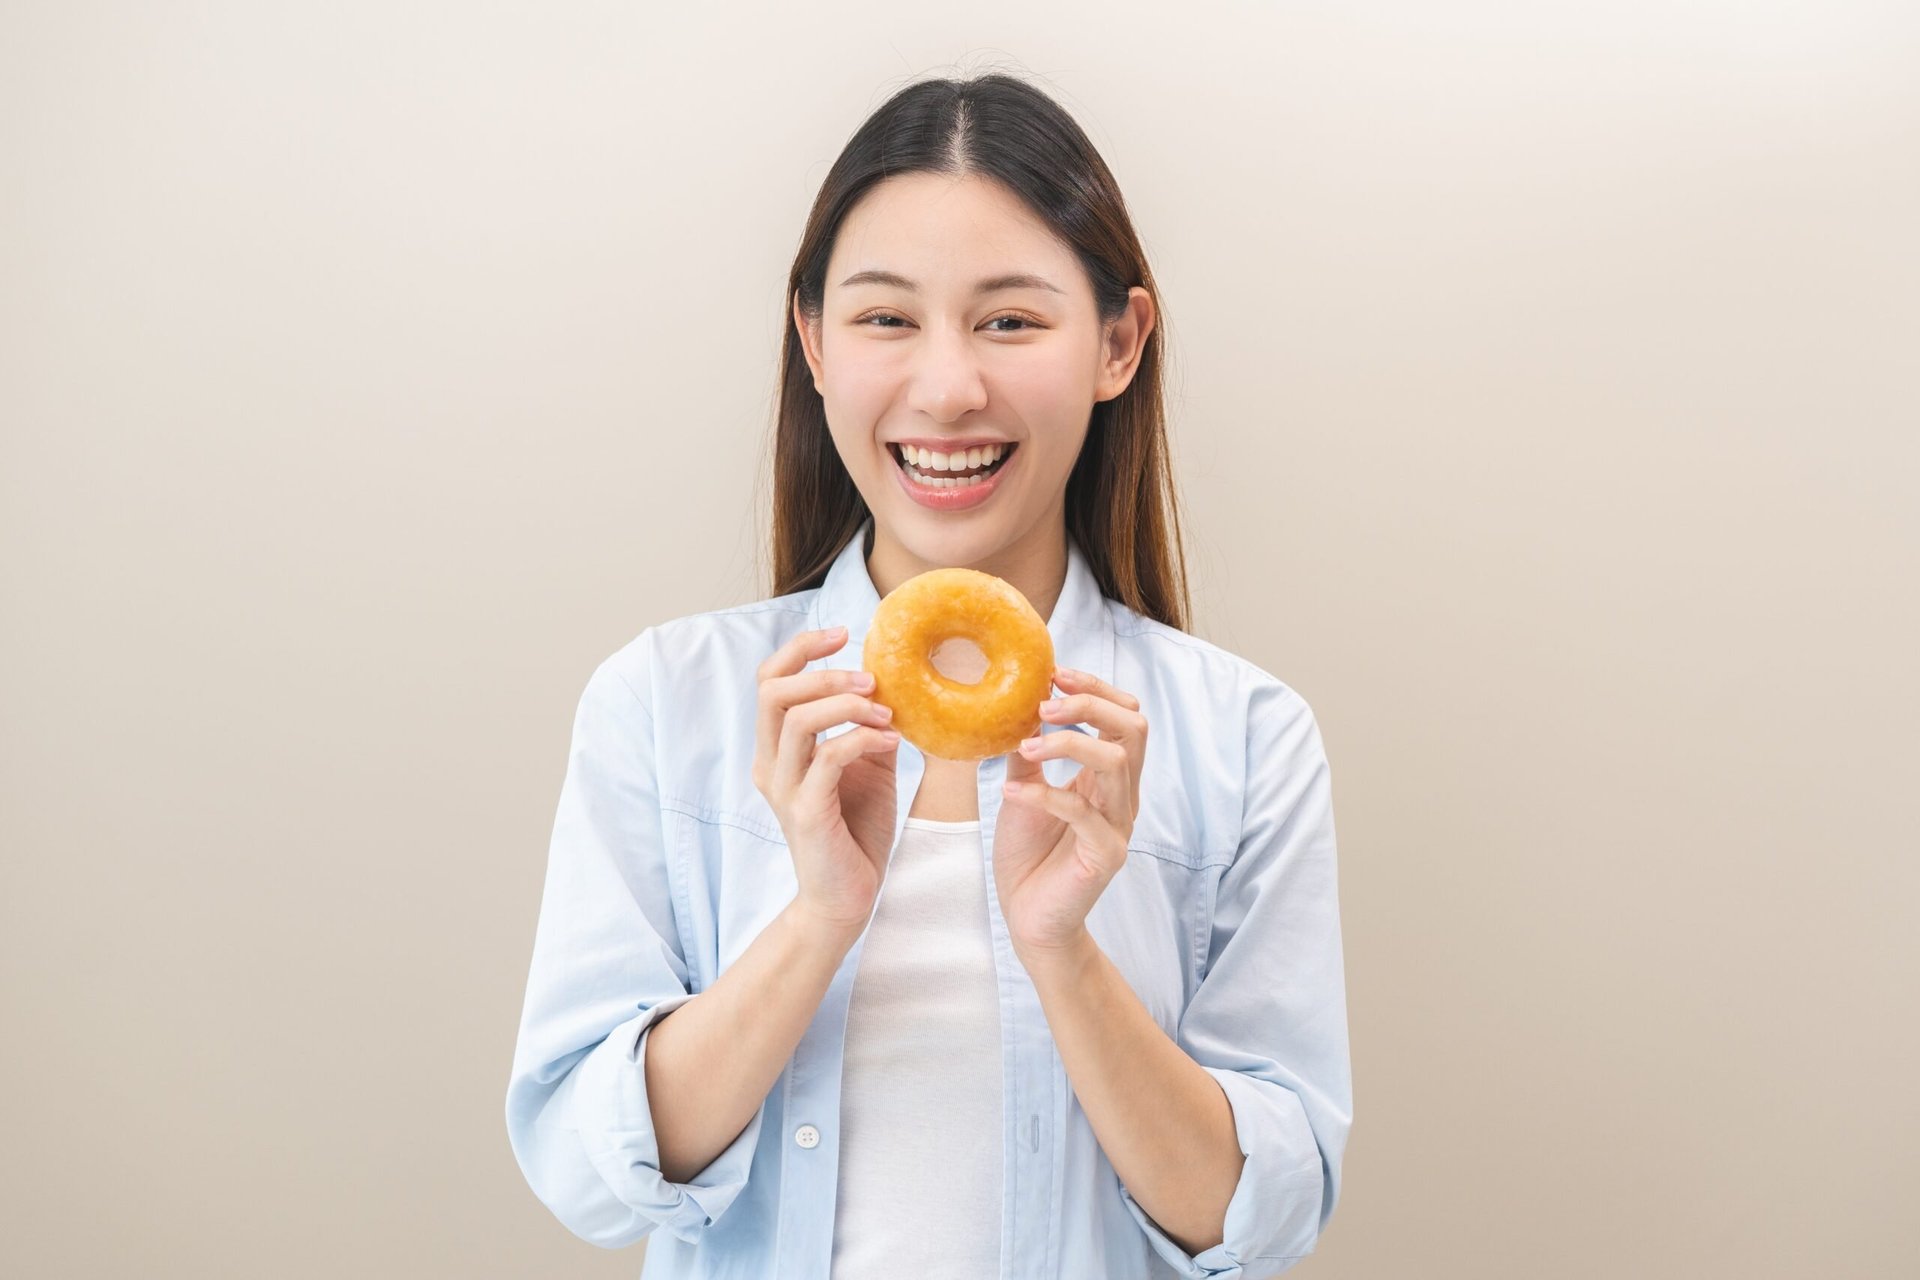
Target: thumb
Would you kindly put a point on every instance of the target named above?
(1021, 769)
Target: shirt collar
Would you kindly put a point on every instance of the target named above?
(1080, 625)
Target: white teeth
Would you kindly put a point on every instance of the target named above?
(928, 460)
(921, 461)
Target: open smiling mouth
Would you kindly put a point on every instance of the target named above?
(922, 471)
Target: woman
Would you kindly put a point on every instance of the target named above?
(1076, 1011)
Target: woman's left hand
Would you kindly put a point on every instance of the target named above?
(1055, 849)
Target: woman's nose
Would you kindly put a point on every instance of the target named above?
(946, 379)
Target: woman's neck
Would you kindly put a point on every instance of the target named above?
(1036, 566)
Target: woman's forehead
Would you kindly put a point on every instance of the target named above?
(924, 231)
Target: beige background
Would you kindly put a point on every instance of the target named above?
(1545, 404)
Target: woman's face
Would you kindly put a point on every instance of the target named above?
(953, 319)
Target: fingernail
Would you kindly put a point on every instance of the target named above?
(891, 735)
(1030, 745)
(884, 712)
(1051, 704)
(863, 680)
(834, 633)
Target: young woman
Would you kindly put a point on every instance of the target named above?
(814, 1004)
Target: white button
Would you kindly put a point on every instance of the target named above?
(807, 1136)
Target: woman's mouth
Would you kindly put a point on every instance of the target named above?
(966, 480)
(956, 471)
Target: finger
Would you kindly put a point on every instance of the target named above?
(833, 756)
(778, 693)
(800, 732)
(1086, 682)
(1116, 723)
(783, 693)
(1023, 768)
(801, 648)
(1093, 828)
(1111, 764)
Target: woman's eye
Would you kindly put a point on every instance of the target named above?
(881, 320)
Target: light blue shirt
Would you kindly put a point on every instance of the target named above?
(666, 862)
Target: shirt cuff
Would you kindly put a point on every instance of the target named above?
(1273, 1217)
(609, 1110)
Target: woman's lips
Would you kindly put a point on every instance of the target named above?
(957, 497)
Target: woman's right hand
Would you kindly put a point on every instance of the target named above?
(835, 800)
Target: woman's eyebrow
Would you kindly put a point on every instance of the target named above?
(992, 284)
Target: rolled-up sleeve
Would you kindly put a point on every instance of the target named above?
(607, 965)
(1269, 1018)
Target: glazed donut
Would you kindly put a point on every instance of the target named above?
(943, 717)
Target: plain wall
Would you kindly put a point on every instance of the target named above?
(1544, 409)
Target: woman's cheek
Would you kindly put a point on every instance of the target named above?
(861, 389)
(1050, 398)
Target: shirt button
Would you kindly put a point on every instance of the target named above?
(807, 1136)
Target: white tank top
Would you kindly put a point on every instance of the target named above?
(920, 1089)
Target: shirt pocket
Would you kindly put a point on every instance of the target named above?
(1152, 921)
(735, 876)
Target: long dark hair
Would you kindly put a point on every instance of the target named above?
(1121, 507)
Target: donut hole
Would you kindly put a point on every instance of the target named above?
(959, 659)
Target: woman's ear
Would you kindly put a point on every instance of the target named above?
(1124, 340)
(809, 340)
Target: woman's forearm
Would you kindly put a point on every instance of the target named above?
(1162, 1121)
(712, 1061)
